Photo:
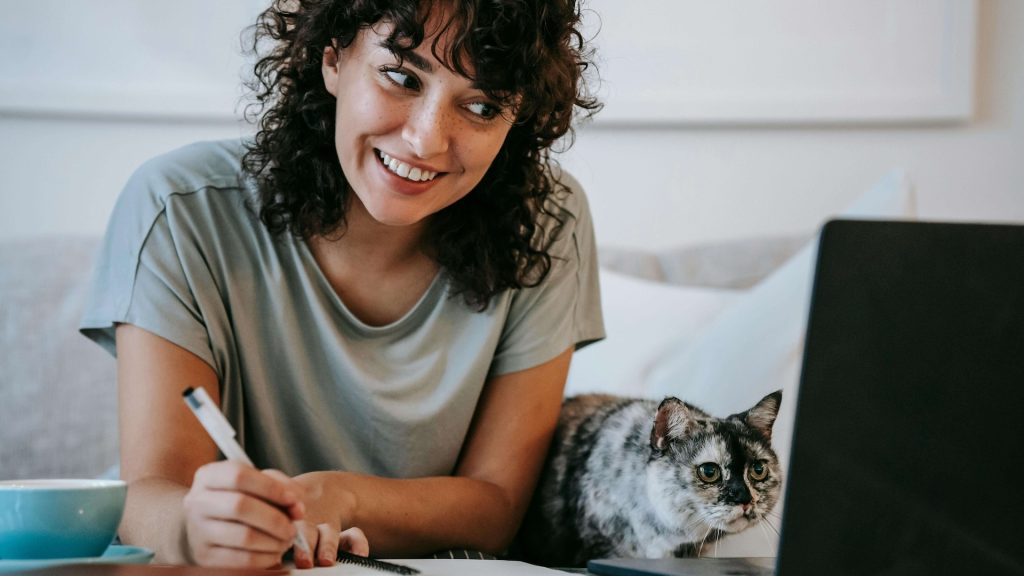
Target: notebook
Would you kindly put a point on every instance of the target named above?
(437, 567)
(426, 567)
(908, 441)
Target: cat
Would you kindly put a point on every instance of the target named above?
(628, 477)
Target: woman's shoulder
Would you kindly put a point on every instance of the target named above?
(193, 167)
(569, 194)
(197, 178)
(199, 187)
(567, 209)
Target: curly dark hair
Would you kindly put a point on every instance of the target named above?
(527, 51)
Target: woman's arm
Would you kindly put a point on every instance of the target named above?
(181, 503)
(189, 508)
(482, 505)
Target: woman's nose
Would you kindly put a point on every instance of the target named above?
(427, 129)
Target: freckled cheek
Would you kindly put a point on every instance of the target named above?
(367, 114)
(480, 153)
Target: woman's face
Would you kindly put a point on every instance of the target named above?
(412, 136)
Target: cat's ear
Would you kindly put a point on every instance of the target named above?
(673, 420)
(762, 416)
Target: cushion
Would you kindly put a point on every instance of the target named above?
(651, 299)
(733, 264)
(642, 319)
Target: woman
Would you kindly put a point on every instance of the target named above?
(382, 290)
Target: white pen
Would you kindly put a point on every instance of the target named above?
(218, 427)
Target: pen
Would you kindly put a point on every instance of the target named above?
(223, 436)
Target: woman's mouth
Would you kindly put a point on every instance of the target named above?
(404, 170)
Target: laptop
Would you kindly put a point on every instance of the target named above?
(908, 440)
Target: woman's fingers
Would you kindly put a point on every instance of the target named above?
(269, 485)
(297, 511)
(243, 509)
(304, 559)
(237, 515)
(221, 543)
(353, 540)
(225, 534)
(327, 545)
(326, 541)
(236, 558)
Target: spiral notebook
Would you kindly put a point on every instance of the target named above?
(434, 567)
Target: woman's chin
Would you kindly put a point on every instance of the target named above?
(397, 218)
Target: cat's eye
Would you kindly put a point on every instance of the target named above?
(758, 471)
(709, 472)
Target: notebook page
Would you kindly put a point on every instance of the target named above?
(432, 567)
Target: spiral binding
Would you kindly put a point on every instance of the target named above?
(349, 558)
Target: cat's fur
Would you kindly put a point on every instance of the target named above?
(622, 480)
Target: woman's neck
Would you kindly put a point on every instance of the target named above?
(367, 243)
(378, 271)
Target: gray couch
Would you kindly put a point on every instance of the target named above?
(58, 396)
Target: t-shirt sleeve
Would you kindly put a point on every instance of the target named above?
(565, 308)
(147, 270)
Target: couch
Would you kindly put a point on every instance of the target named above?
(58, 413)
(719, 325)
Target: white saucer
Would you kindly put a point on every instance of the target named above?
(114, 555)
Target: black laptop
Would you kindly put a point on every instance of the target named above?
(908, 443)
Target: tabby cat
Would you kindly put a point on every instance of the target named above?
(616, 484)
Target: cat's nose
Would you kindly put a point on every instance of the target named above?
(738, 493)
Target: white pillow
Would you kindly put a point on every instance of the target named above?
(755, 346)
(642, 318)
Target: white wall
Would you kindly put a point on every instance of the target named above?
(61, 170)
(660, 187)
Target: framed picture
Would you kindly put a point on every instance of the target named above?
(661, 62)
(747, 62)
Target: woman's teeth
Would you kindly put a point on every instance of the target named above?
(406, 171)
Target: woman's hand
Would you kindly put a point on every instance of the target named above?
(238, 516)
(325, 525)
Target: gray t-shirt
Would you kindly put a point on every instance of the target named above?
(305, 383)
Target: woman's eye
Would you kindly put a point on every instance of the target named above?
(400, 78)
(484, 110)
(758, 471)
(709, 472)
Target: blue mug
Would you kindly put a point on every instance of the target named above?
(42, 519)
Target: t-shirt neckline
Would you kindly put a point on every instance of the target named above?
(423, 305)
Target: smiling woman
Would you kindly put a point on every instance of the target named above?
(488, 52)
(423, 119)
(373, 289)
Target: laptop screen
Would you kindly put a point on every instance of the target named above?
(908, 445)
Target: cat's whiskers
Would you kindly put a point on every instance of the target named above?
(696, 521)
(764, 524)
(766, 521)
(700, 548)
(764, 532)
(694, 524)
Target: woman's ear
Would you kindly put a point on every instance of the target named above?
(329, 68)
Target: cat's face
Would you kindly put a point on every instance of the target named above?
(714, 473)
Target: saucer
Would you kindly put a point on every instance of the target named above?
(114, 555)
